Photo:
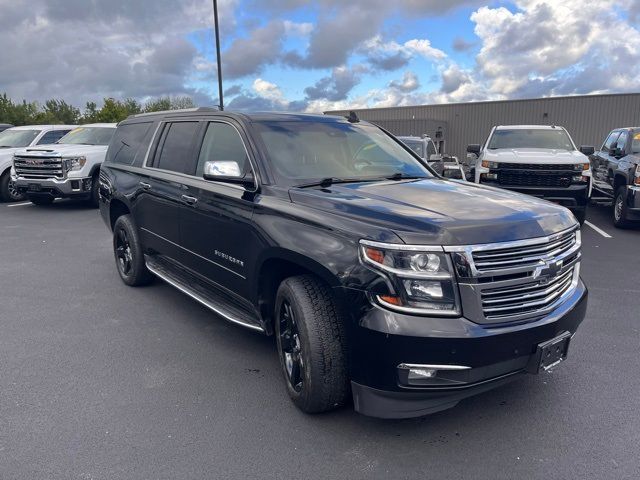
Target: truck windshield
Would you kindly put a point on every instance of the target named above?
(17, 138)
(415, 145)
(303, 152)
(555, 139)
(88, 136)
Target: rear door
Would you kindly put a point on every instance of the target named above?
(217, 231)
(159, 202)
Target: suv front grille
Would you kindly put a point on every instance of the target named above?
(517, 281)
(505, 302)
(37, 167)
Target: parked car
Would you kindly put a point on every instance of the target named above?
(314, 229)
(68, 169)
(15, 138)
(444, 165)
(616, 171)
(538, 160)
(4, 126)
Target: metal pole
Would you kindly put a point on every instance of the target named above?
(217, 31)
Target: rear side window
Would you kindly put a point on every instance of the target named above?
(635, 143)
(175, 146)
(52, 137)
(126, 142)
(222, 142)
(608, 143)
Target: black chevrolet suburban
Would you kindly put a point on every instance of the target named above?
(380, 281)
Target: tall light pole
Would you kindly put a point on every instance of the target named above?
(217, 31)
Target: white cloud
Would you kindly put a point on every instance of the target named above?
(271, 92)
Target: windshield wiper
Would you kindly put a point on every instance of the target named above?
(404, 176)
(327, 182)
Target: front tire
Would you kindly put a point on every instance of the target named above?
(128, 253)
(620, 209)
(8, 192)
(94, 198)
(311, 340)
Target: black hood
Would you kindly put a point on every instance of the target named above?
(441, 212)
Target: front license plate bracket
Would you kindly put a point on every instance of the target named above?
(551, 353)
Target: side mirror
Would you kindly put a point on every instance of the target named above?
(587, 150)
(474, 148)
(616, 152)
(227, 171)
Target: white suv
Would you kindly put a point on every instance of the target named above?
(68, 169)
(15, 138)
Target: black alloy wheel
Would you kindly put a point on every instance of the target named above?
(291, 347)
(123, 252)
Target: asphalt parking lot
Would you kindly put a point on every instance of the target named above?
(101, 381)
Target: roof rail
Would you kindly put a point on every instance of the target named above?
(184, 110)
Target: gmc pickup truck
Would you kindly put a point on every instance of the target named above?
(380, 280)
(67, 169)
(538, 160)
(15, 138)
(616, 171)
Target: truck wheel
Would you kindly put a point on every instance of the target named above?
(620, 209)
(41, 200)
(94, 198)
(8, 192)
(311, 342)
(128, 253)
(581, 216)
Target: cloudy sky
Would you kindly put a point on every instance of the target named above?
(317, 55)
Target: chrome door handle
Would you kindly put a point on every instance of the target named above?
(189, 200)
(146, 186)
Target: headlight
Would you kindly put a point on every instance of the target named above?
(582, 167)
(488, 164)
(422, 277)
(75, 163)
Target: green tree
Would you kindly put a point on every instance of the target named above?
(58, 112)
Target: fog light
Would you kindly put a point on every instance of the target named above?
(420, 373)
(489, 176)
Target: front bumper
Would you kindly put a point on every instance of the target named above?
(492, 355)
(575, 197)
(57, 188)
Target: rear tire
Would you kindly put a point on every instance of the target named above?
(128, 253)
(8, 193)
(40, 200)
(311, 340)
(620, 209)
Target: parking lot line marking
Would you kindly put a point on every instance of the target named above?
(19, 204)
(598, 229)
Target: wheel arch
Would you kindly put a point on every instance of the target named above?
(117, 208)
(274, 269)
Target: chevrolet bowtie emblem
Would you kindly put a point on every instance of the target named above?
(548, 270)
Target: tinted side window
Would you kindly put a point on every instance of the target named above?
(613, 136)
(621, 143)
(176, 146)
(431, 149)
(635, 144)
(222, 142)
(126, 142)
(52, 136)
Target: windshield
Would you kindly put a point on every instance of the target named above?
(555, 139)
(415, 145)
(88, 136)
(303, 152)
(17, 138)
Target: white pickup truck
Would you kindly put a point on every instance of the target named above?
(15, 138)
(542, 161)
(68, 169)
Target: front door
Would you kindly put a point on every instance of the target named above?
(217, 232)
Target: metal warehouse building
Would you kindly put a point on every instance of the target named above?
(588, 118)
